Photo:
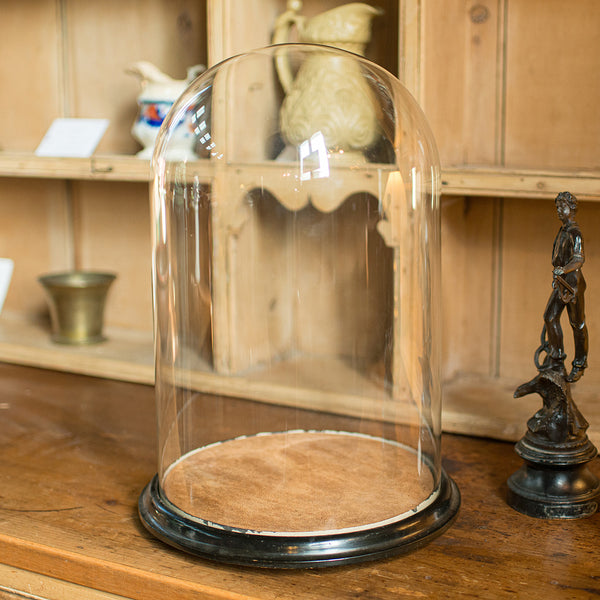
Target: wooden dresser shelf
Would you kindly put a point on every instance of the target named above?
(101, 168)
(126, 355)
(466, 180)
(472, 405)
(77, 451)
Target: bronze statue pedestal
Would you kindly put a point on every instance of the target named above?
(554, 481)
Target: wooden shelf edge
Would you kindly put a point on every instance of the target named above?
(13, 579)
(119, 369)
(456, 181)
(101, 578)
(485, 407)
(125, 356)
(514, 183)
(102, 168)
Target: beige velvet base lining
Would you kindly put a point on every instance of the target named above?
(299, 481)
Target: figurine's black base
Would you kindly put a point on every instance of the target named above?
(554, 482)
(238, 547)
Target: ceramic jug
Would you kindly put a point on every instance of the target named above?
(158, 93)
(328, 94)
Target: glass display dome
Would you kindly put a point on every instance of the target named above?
(296, 301)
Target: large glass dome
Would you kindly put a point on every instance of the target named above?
(296, 299)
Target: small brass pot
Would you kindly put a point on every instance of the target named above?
(76, 300)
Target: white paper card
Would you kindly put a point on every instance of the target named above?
(72, 137)
(6, 269)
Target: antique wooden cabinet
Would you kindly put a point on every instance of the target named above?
(509, 88)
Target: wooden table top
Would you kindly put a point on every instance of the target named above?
(76, 452)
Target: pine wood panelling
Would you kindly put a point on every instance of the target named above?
(512, 83)
(461, 82)
(230, 33)
(529, 229)
(469, 285)
(553, 84)
(112, 233)
(37, 239)
(30, 72)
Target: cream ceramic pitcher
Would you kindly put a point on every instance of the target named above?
(328, 94)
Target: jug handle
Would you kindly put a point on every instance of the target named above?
(281, 34)
(146, 71)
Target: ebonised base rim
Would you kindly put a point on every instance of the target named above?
(233, 547)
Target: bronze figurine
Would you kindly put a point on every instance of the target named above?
(554, 481)
(568, 288)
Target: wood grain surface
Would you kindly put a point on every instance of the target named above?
(76, 452)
